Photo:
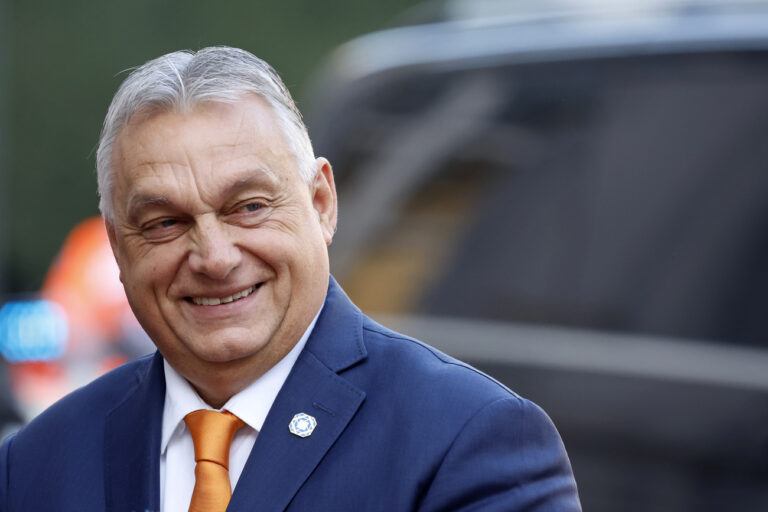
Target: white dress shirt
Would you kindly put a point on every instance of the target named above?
(177, 453)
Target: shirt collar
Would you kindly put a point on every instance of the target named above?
(251, 405)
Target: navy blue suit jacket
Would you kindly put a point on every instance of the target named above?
(400, 426)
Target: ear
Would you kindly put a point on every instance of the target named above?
(324, 198)
(113, 244)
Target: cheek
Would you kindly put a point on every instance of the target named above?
(284, 252)
(143, 272)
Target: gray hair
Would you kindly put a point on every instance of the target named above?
(181, 80)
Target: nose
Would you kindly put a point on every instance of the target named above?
(215, 253)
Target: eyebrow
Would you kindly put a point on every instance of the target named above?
(138, 202)
(252, 177)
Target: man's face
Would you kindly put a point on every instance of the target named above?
(221, 245)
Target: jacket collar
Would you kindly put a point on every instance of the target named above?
(337, 340)
(280, 461)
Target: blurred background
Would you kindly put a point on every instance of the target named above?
(570, 195)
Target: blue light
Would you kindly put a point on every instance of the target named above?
(32, 331)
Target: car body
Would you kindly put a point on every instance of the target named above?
(574, 200)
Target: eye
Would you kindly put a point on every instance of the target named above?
(250, 207)
(250, 213)
(160, 224)
(162, 229)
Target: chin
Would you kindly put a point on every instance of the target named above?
(228, 351)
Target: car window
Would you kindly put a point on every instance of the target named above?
(625, 194)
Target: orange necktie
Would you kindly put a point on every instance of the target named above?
(212, 433)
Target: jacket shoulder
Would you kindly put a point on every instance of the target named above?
(86, 407)
(493, 450)
(421, 368)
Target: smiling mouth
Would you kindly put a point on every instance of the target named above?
(215, 301)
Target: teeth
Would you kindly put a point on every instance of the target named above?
(214, 301)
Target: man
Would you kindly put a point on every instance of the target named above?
(219, 216)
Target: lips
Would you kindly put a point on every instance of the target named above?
(215, 301)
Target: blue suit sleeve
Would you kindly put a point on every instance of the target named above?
(508, 457)
(5, 472)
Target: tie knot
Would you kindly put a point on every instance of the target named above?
(212, 433)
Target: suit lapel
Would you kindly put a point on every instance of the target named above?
(280, 462)
(132, 444)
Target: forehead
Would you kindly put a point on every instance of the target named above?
(209, 144)
(208, 129)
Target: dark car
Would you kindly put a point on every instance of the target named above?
(576, 202)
